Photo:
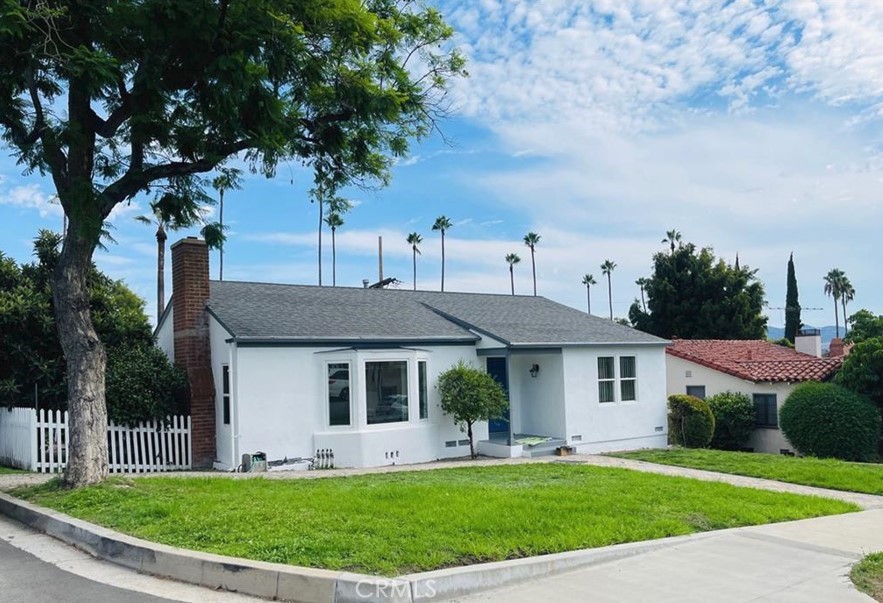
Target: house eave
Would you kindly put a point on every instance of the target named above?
(358, 342)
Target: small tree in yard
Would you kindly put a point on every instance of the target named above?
(690, 421)
(469, 395)
(733, 420)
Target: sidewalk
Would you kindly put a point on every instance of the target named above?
(802, 562)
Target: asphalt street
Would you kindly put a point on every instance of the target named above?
(26, 579)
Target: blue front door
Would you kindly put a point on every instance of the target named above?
(497, 368)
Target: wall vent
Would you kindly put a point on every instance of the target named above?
(463, 442)
(451, 444)
(576, 438)
(688, 374)
(659, 428)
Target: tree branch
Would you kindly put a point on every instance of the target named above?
(108, 128)
(135, 180)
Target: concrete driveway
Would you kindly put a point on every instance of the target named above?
(800, 562)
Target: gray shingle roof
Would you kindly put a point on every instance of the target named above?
(259, 311)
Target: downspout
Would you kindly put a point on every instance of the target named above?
(234, 406)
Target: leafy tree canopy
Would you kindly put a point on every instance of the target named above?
(121, 97)
(862, 370)
(864, 325)
(30, 352)
(693, 295)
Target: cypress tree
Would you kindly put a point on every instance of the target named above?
(792, 304)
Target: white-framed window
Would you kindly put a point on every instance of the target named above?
(606, 379)
(225, 394)
(339, 398)
(386, 391)
(617, 379)
(628, 379)
(423, 389)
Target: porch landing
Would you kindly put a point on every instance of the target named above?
(523, 445)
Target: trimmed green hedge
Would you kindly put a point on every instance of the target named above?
(829, 421)
(733, 420)
(690, 421)
(142, 385)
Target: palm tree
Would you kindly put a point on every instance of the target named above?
(833, 287)
(442, 224)
(531, 239)
(847, 294)
(415, 239)
(672, 238)
(334, 221)
(512, 259)
(642, 282)
(173, 212)
(588, 281)
(607, 268)
(228, 179)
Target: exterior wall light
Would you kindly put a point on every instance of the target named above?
(534, 370)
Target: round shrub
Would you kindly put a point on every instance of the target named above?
(733, 420)
(829, 421)
(690, 422)
(142, 385)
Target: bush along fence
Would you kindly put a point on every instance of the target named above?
(38, 441)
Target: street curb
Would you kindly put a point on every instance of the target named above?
(309, 585)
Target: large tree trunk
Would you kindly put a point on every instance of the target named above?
(161, 238)
(86, 361)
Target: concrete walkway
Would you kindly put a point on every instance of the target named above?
(801, 562)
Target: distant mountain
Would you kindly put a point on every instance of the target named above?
(828, 333)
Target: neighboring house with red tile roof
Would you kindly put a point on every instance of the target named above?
(765, 371)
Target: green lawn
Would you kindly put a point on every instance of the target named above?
(867, 575)
(401, 522)
(824, 473)
(5, 470)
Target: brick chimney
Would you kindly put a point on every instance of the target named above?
(190, 292)
(835, 348)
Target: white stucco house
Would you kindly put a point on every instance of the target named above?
(291, 369)
(764, 371)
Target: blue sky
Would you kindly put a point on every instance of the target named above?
(753, 127)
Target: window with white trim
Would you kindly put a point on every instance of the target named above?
(386, 389)
(423, 389)
(606, 379)
(628, 379)
(339, 413)
(225, 394)
(617, 379)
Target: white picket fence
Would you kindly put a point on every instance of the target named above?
(38, 441)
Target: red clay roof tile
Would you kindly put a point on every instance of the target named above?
(755, 360)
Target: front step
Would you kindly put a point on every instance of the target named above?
(544, 449)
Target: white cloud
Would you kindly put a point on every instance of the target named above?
(31, 197)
